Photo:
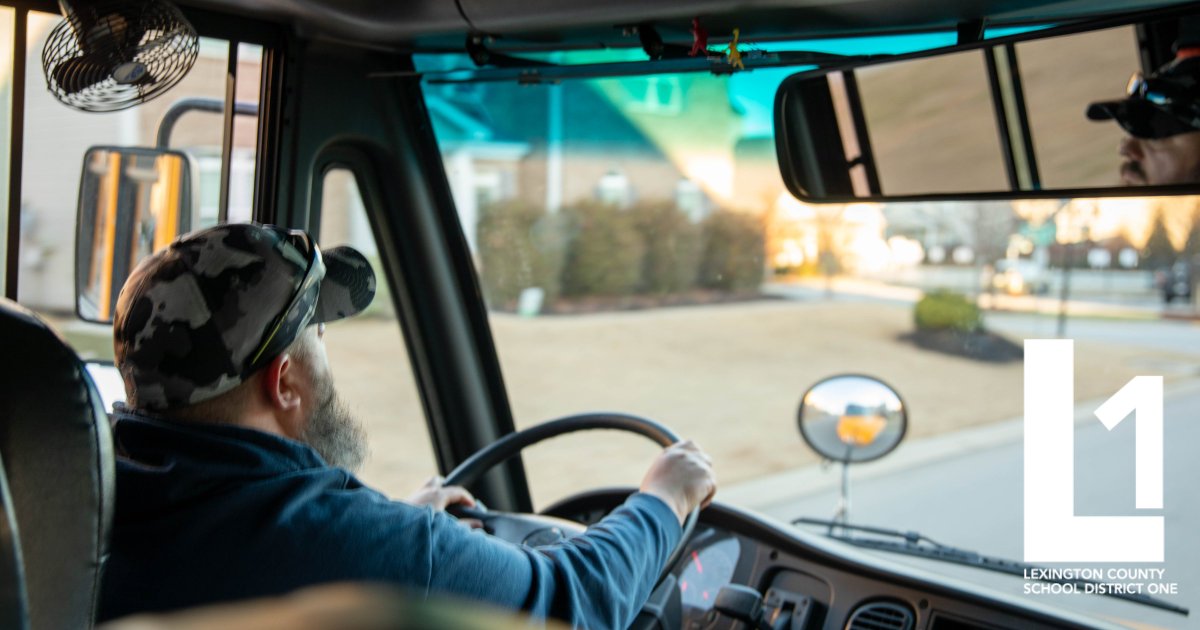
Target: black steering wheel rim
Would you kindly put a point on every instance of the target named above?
(510, 445)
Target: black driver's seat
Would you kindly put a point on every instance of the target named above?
(57, 484)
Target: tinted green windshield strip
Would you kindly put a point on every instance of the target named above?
(793, 56)
(996, 33)
(847, 46)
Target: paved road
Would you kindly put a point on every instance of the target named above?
(1182, 337)
(975, 502)
(1143, 330)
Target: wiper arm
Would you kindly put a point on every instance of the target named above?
(919, 545)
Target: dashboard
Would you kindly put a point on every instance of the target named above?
(739, 561)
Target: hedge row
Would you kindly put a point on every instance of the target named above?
(593, 249)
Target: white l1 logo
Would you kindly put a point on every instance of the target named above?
(1052, 531)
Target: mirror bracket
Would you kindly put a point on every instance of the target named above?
(970, 31)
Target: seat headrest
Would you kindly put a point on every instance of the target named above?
(56, 448)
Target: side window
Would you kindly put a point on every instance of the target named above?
(369, 359)
(1073, 151)
(57, 137)
(901, 102)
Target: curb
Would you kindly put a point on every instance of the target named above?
(1181, 317)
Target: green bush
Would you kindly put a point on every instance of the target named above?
(605, 252)
(672, 248)
(947, 310)
(732, 251)
(594, 249)
(520, 246)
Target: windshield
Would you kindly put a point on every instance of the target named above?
(639, 253)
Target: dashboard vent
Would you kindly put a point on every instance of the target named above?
(881, 616)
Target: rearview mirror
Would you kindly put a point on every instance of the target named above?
(1030, 116)
(132, 202)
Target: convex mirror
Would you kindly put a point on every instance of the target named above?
(1111, 111)
(132, 202)
(852, 418)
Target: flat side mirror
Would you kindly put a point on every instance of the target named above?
(852, 418)
(132, 202)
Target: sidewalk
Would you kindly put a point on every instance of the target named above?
(858, 289)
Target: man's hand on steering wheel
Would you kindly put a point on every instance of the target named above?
(682, 476)
(436, 493)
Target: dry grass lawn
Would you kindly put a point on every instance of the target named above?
(728, 376)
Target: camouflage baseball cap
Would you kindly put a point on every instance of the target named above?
(1160, 105)
(196, 319)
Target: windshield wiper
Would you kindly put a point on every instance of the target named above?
(919, 545)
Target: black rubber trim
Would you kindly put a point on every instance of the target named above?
(16, 149)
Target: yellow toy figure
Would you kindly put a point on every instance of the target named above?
(735, 57)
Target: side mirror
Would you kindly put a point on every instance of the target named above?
(132, 202)
(852, 418)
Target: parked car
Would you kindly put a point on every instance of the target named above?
(1176, 281)
(1021, 276)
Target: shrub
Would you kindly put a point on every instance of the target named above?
(520, 246)
(605, 252)
(672, 248)
(947, 310)
(732, 251)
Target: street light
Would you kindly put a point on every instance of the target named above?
(1073, 213)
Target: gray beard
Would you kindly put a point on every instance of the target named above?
(334, 432)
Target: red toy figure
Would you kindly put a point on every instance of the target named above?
(699, 39)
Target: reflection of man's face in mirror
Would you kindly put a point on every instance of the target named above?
(1152, 162)
(1161, 117)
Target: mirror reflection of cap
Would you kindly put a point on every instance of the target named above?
(1163, 104)
(196, 319)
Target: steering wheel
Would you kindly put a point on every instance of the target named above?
(536, 529)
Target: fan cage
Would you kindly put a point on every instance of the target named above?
(167, 48)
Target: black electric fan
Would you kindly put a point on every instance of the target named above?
(111, 55)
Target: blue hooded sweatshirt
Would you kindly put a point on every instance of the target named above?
(211, 513)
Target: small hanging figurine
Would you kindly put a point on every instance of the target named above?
(735, 57)
(699, 39)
